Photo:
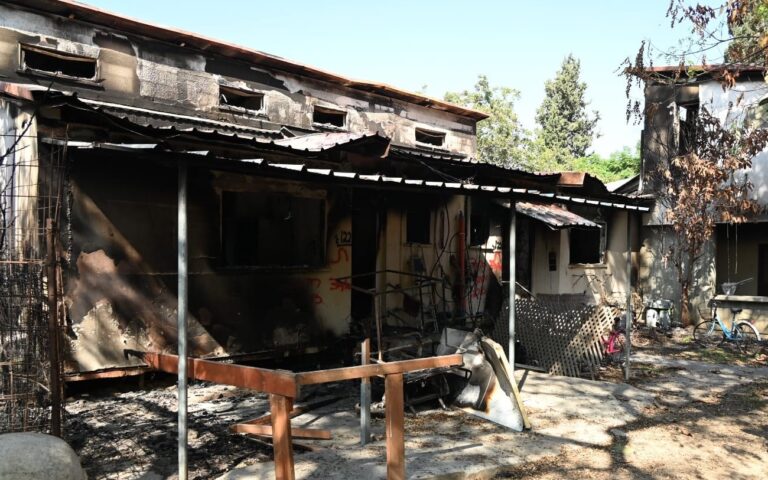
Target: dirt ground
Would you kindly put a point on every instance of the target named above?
(706, 425)
(687, 413)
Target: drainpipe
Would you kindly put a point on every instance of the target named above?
(182, 319)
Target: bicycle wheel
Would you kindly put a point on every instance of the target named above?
(747, 338)
(707, 334)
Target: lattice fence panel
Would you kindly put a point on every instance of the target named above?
(562, 337)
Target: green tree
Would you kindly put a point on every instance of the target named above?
(566, 127)
(501, 139)
(621, 164)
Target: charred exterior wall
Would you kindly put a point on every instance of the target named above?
(121, 277)
(149, 74)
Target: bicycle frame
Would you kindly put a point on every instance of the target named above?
(728, 332)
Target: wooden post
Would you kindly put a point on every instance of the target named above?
(393, 390)
(365, 395)
(53, 331)
(280, 408)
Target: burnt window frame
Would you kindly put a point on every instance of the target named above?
(231, 90)
(232, 264)
(24, 68)
(602, 246)
(426, 132)
(329, 111)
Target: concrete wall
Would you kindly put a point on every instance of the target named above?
(606, 281)
(149, 74)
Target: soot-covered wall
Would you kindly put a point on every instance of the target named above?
(121, 277)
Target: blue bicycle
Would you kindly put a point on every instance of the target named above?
(742, 334)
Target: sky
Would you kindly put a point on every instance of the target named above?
(436, 46)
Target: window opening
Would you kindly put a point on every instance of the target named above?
(430, 137)
(237, 99)
(587, 245)
(417, 224)
(329, 117)
(58, 63)
(264, 229)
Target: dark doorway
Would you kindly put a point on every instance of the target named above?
(365, 228)
(762, 269)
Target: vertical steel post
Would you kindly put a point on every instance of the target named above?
(53, 330)
(182, 319)
(628, 318)
(365, 395)
(512, 281)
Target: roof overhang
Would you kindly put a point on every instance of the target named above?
(554, 216)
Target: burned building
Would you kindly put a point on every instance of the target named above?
(316, 203)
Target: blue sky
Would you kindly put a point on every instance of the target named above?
(444, 44)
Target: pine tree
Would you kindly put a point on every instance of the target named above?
(566, 128)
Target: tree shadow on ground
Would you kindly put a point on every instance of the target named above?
(743, 407)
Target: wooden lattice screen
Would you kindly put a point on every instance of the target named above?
(562, 337)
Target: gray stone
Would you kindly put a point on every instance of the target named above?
(28, 456)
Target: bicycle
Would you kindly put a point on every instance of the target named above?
(741, 333)
(613, 345)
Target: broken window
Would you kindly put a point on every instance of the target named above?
(430, 137)
(240, 100)
(265, 229)
(417, 224)
(587, 245)
(328, 117)
(48, 61)
(688, 114)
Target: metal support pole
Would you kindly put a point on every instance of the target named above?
(365, 395)
(53, 330)
(628, 319)
(512, 282)
(182, 319)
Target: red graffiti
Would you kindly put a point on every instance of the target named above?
(315, 283)
(340, 252)
(479, 266)
(340, 285)
(495, 264)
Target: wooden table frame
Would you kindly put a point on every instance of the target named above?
(283, 387)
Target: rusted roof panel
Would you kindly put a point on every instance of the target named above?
(554, 215)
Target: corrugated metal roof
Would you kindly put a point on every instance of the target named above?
(302, 171)
(318, 142)
(554, 215)
(158, 119)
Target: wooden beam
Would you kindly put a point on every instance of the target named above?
(280, 406)
(98, 375)
(393, 391)
(364, 371)
(266, 431)
(259, 379)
